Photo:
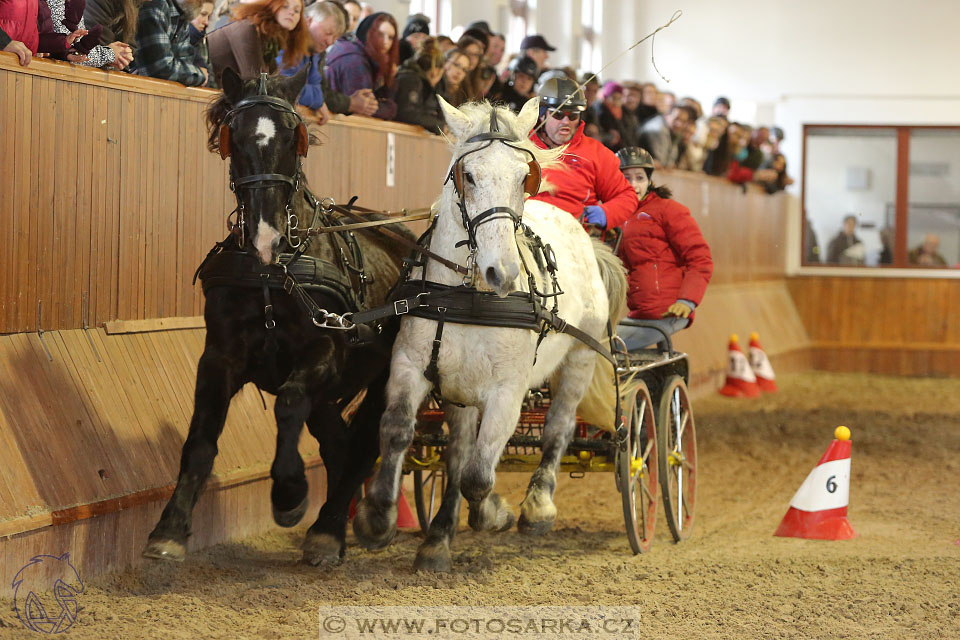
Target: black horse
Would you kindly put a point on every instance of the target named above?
(262, 324)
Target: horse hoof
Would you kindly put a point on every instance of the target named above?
(169, 550)
(531, 528)
(492, 514)
(292, 517)
(322, 550)
(433, 557)
(374, 527)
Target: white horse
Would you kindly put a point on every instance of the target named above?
(490, 369)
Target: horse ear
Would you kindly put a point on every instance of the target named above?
(459, 123)
(293, 86)
(232, 85)
(529, 114)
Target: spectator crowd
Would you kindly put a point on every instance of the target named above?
(360, 61)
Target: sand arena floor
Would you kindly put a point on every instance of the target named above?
(899, 579)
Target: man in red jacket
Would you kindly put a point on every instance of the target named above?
(667, 260)
(590, 182)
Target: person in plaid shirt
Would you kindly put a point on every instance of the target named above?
(163, 44)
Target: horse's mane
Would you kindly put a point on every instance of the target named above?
(479, 114)
(220, 106)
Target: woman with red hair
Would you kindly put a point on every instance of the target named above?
(367, 60)
(260, 31)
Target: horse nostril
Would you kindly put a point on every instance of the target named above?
(492, 277)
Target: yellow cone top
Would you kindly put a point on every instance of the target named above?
(841, 433)
(754, 336)
(734, 338)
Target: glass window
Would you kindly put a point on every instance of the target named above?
(850, 186)
(933, 227)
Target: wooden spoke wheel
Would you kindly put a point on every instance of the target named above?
(428, 488)
(637, 471)
(677, 444)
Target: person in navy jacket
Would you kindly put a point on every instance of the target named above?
(667, 260)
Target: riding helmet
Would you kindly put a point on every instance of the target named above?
(562, 93)
(523, 64)
(631, 157)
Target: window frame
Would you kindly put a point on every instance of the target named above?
(901, 199)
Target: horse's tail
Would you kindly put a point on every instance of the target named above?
(614, 278)
(600, 401)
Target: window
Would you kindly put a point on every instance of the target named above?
(591, 18)
(881, 196)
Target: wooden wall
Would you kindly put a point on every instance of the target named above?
(900, 326)
(109, 199)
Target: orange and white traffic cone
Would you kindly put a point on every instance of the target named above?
(819, 508)
(760, 364)
(406, 519)
(740, 383)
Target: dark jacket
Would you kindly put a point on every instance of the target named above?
(609, 123)
(237, 46)
(512, 98)
(163, 44)
(350, 69)
(416, 100)
(666, 257)
(457, 97)
(837, 249)
(317, 91)
(4, 39)
(109, 15)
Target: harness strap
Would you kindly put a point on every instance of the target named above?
(410, 244)
(432, 372)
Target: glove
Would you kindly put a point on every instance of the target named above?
(679, 309)
(594, 214)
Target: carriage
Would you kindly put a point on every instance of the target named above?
(654, 450)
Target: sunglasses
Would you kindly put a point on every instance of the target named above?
(572, 116)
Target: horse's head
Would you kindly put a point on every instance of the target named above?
(494, 165)
(255, 125)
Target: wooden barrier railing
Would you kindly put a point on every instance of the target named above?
(898, 326)
(108, 201)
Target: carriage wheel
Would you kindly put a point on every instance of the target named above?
(677, 442)
(428, 488)
(637, 472)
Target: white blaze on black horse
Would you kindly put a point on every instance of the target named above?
(259, 332)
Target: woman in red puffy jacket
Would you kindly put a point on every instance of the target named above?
(667, 259)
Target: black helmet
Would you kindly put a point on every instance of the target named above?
(631, 157)
(523, 64)
(555, 92)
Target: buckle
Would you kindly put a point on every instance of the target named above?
(289, 283)
(401, 307)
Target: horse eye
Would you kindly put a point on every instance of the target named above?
(469, 178)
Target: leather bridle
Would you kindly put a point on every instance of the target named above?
(531, 184)
(264, 180)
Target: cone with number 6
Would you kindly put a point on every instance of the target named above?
(819, 508)
(740, 383)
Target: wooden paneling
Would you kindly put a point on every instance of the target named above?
(112, 199)
(883, 325)
(110, 413)
(764, 307)
(746, 229)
